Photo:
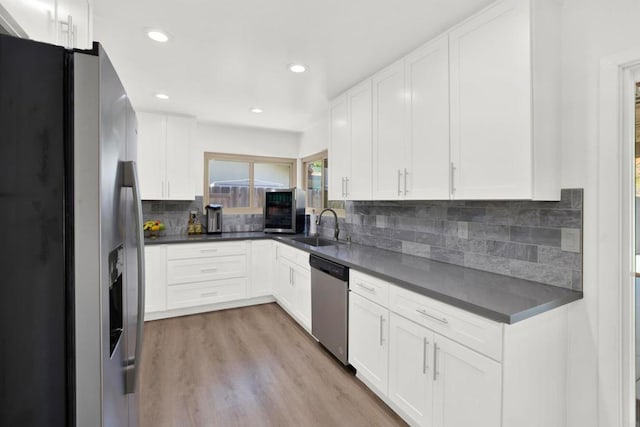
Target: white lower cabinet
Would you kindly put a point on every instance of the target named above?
(438, 382)
(467, 387)
(261, 268)
(292, 287)
(411, 369)
(155, 279)
(441, 366)
(369, 341)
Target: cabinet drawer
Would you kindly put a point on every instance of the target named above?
(201, 269)
(194, 294)
(293, 255)
(372, 288)
(480, 334)
(206, 250)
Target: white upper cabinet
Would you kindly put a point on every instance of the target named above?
(67, 23)
(350, 145)
(179, 136)
(339, 150)
(358, 182)
(163, 157)
(427, 80)
(504, 103)
(473, 114)
(389, 133)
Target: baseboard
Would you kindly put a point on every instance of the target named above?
(157, 315)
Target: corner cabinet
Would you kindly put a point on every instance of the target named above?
(505, 86)
(67, 23)
(350, 144)
(438, 365)
(164, 162)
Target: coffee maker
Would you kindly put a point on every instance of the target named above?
(214, 219)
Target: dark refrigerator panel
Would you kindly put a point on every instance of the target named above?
(33, 290)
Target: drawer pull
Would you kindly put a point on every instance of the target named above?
(204, 251)
(366, 288)
(208, 270)
(431, 316)
(209, 294)
(381, 329)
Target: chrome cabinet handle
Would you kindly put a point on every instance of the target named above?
(425, 349)
(431, 316)
(163, 196)
(405, 181)
(399, 176)
(132, 371)
(381, 326)
(209, 294)
(453, 178)
(204, 251)
(168, 189)
(208, 270)
(366, 288)
(436, 372)
(346, 186)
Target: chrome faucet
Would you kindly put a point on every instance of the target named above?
(337, 229)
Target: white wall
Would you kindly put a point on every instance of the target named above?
(220, 138)
(315, 137)
(592, 29)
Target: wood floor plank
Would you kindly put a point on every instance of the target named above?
(251, 366)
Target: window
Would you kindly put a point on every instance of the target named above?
(316, 168)
(239, 182)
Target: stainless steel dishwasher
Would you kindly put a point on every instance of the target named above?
(330, 305)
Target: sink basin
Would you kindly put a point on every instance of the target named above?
(313, 241)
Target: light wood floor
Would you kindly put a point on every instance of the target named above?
(250, 366)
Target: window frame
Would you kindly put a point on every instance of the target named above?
(251, 160)
(322, 156)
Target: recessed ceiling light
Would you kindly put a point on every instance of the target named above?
(297, 68)
(162, 96)
(256, 110)
(158, 36)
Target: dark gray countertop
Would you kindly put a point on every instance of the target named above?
(502, 298)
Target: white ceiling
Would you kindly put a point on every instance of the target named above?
(226, 56)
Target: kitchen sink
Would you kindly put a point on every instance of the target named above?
(314, 241)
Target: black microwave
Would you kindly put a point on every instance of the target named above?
(284, 211)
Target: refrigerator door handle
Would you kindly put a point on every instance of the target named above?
(132, 371)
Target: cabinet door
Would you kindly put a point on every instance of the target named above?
(491, 136)
(155, 259)
(302, 304)
(262, 256)
(358, 184)
(151, 155)
(468, 387)
(369, 341)
(339, 148)
(36, 19)
(411, 369)
(179, 168)
(284, 285)
(389, 136)
(427, 76)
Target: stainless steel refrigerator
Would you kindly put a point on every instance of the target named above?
(72, 265)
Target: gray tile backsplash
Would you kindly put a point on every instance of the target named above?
(175, 216)
(538, 241)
